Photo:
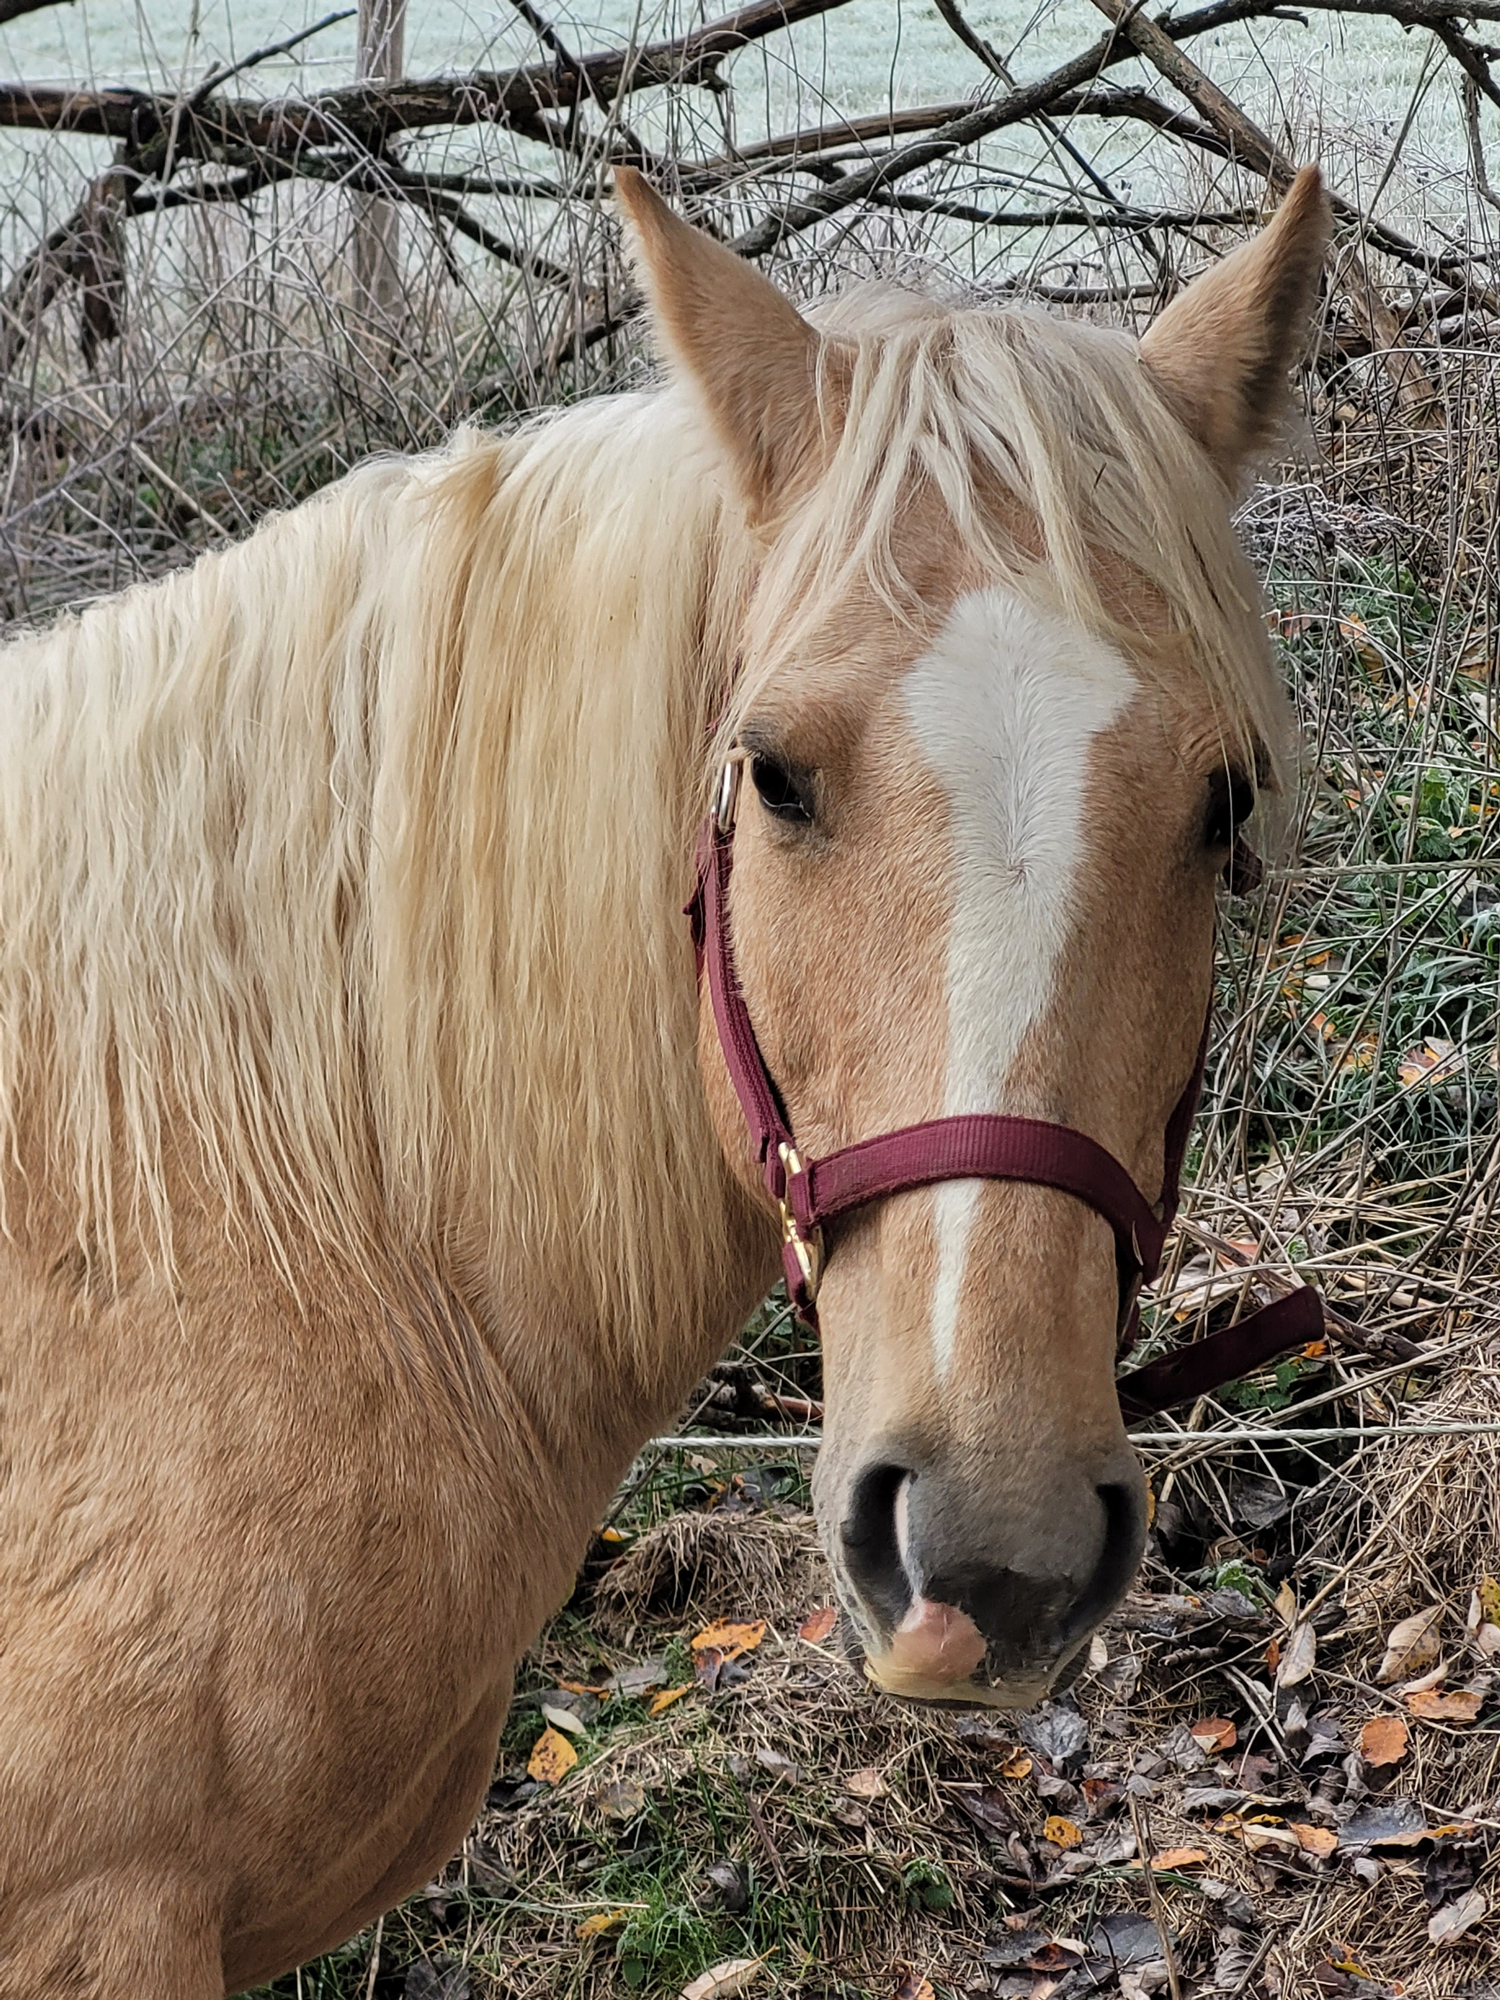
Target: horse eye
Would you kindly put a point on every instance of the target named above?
(1231, 800)
(784, 792)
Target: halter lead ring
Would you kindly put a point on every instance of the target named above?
(809, 1194)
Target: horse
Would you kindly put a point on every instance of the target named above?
(374, 1179)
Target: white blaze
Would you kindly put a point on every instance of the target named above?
(1004, 707)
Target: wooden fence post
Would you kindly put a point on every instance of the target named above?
(377, 226)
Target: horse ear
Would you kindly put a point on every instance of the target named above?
(1221, 352)
(752, 357)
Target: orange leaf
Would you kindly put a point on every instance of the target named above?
(1061, 1832)
(817, 1625)
(1017, 1765)
(552, 1757)
(1273, 1655)
(1383, 1740)
(729, 1639)
(1213, 1733)
(660, 1703)
(1180, 1857)
(1434, 1707)
(1314, 1839)
(586, 1687)
(1437, 1061)
(605, 1920)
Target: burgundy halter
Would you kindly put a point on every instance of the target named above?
(813, 1193)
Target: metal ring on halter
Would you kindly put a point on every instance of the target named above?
(727, 793)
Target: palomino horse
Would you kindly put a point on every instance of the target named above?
(373, 1179)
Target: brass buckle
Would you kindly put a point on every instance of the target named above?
(808, 1250)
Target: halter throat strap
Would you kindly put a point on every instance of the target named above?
(811, 1194)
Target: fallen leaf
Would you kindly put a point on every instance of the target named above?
(1179, 1857)
(731, 1640)
(1487, 1639)
(1430, 1706)
(867, 1784)
(989, 1809)
(1286, 1604)
(640, 1679)
(1488, 1594)
(552, 1757)
(1398, 1823)
(1383, 1740)
(606, 1920)
(1098, 1653)
(1299, 1656)
(778, 1764)
(708, 1664)
(563, 1718)
(1436, 1061)
(724, 1980)
(602, 1689)
(660, 1703)
(622, 1800)
(1061, 1832)
(1424, 1682)
(914, 1987)
(817, 1625)
(1019, 1765)
(1213, 1733)
(1259, 1837)
(1273, 1654)
(1314, 1839)
(1450, 1923)
(1411, 1646)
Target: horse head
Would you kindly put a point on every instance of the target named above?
(1004, 699)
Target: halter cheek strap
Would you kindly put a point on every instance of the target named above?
(810, 1194)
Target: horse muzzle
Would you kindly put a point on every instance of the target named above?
(966, 1595)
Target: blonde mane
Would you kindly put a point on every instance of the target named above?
(358, 851)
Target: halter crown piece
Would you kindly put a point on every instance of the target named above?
(810, 1194)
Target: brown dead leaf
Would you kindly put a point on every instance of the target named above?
(724, 1980)
(603, 1922)
(1489, 1600)
(1430, 1706)
(731, 1640)
(1298, 1657)
(867, 1784)
(1213, 1733)
(1436, 1061)
(660, 1703)
(622, 1800)
(1061, 1832)
(1384, 1740)
(1286, 1604)
(1180, 1857)
(1411, 1646)
(552, 1757)
(1314, 1839)
(1450, 1923)
(914, 1987)
(817, 1625)
(603, 1690)
(1017, 1765)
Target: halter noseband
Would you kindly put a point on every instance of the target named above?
(810, 1194)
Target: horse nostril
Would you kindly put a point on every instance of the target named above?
(872, 1547)
(1119, 1558)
